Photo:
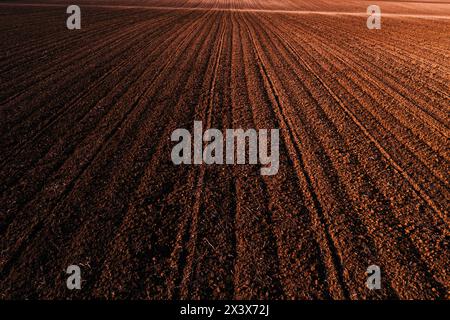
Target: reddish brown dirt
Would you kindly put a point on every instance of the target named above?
(87, 178)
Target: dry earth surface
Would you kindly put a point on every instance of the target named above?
(87, 179)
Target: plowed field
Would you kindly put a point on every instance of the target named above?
(87, 178)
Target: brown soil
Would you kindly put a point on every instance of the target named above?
(87, 178)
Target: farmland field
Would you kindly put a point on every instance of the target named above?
(85, 150)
